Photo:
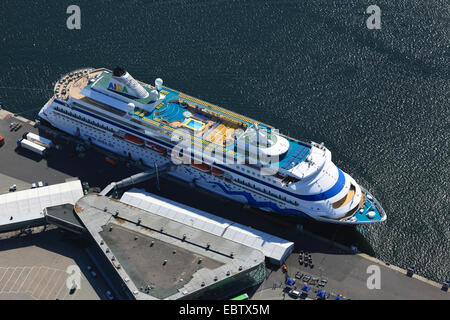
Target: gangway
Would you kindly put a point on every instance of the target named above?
(137, 178)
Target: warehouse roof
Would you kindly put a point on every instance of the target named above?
(274, 248)
(29, 205)
(159, 258)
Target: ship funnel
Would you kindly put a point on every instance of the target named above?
(158, 84)
(124, 83)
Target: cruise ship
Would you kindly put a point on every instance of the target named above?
(213, 148)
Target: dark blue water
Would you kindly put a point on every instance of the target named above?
(379, 99)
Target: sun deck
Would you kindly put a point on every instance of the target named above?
(73, 83)
(180, 114)
(297, 153)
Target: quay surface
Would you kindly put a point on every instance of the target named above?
(346, 272)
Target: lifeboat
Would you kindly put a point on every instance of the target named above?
(155, 147)
(149, 144)
(217, 172)
(159, 149)
(201, 166)
(133, 139)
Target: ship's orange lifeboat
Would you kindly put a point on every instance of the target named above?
(159, 149)
(201, 166)
(217, 172)
(133, 139)
(150, 144)
(155, 147)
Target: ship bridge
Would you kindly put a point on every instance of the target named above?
(275, 149)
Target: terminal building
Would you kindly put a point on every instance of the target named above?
(275, 249)
(153, 257)
(149, 247)
(23, 209)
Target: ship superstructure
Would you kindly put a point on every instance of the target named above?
(216, 149)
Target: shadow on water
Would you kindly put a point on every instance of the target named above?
(346, 235)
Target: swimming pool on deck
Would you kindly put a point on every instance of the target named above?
(194, 124)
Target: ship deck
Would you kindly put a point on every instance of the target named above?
(72, 84)
(209, 126)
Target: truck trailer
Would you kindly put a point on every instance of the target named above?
(37, 139)
(36, 148)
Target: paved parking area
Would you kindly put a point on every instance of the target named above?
(348, 274)
(23, 167)
(39, 282)
(39, 266)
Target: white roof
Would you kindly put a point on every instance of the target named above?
(273, 247)
(30, 204)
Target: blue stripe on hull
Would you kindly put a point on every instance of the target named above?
(334, 190)
(258, 204)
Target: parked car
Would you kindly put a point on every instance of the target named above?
(294, 293)
(33, 185)
(298, 275)
(2, 141)
(40, 184)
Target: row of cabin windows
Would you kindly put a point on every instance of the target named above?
(279, 196)
(86, 120)
(94, 133)
(126, 124)
(259, 175)
(138, 150)
(108, 117)
(67, 118)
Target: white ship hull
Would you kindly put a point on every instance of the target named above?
(231, 181)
